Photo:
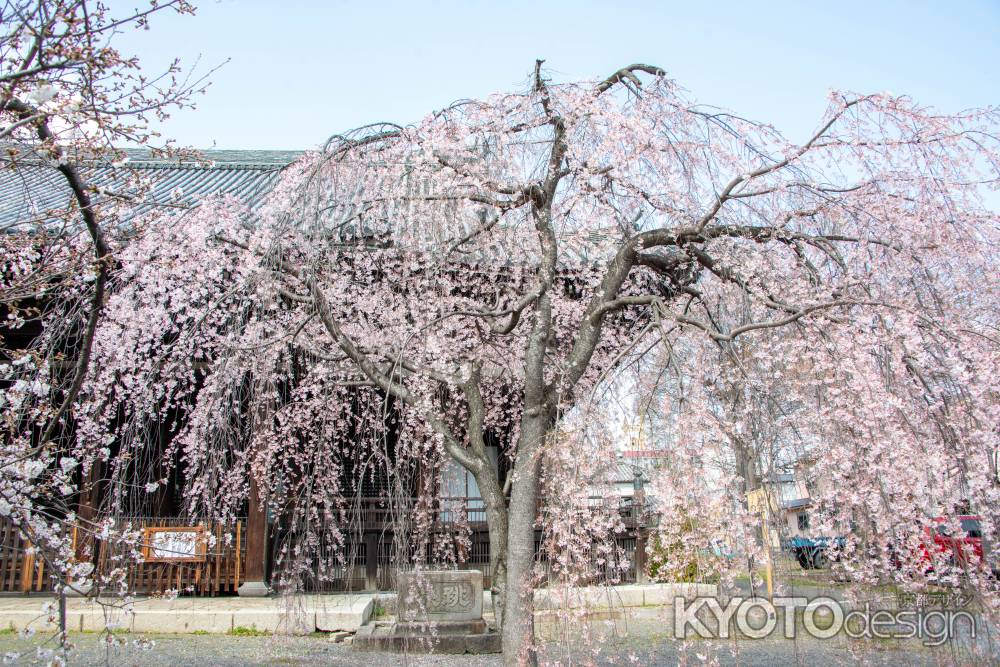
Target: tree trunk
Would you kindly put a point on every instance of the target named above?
(518, 632)
(496, 522)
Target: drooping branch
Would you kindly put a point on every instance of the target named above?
(387, 384)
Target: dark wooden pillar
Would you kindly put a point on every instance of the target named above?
(639, 509)
(254, 584)
(86, 514)
(640, 555)
(371, 561)
(84, 541)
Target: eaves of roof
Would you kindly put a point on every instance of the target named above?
(32, 192)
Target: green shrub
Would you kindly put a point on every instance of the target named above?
(663, 556)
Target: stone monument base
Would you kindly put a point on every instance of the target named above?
(452, 637)
(476, 627)
(436, 612)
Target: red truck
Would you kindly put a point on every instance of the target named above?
(964, 548)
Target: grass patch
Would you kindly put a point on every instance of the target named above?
(201, 632)
(244, 631)
(379, 612)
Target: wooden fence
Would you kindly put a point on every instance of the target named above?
(370, 561)
(216, 568)
(20, 571)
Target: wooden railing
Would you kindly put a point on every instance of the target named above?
(373, 560)
(378, 513)
(222, 569)
(218, 570)
(20, 571)
(374, 513)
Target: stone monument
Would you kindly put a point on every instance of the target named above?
(439, 611)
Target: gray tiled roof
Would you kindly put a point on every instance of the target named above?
(31, 190)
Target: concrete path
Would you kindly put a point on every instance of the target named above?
(309, 613)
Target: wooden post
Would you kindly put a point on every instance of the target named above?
(371, 561)
(27, 568)
(640, 556)
(239, 536)
(639, 509)
(254, 584)
(86, 513)
(84, 542)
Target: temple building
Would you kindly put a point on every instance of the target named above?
(242, 556)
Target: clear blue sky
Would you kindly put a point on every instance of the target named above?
(301, 70)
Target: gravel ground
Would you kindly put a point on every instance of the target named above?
(645, 644)
(205, 651)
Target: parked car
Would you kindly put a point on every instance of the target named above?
(813, 552)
